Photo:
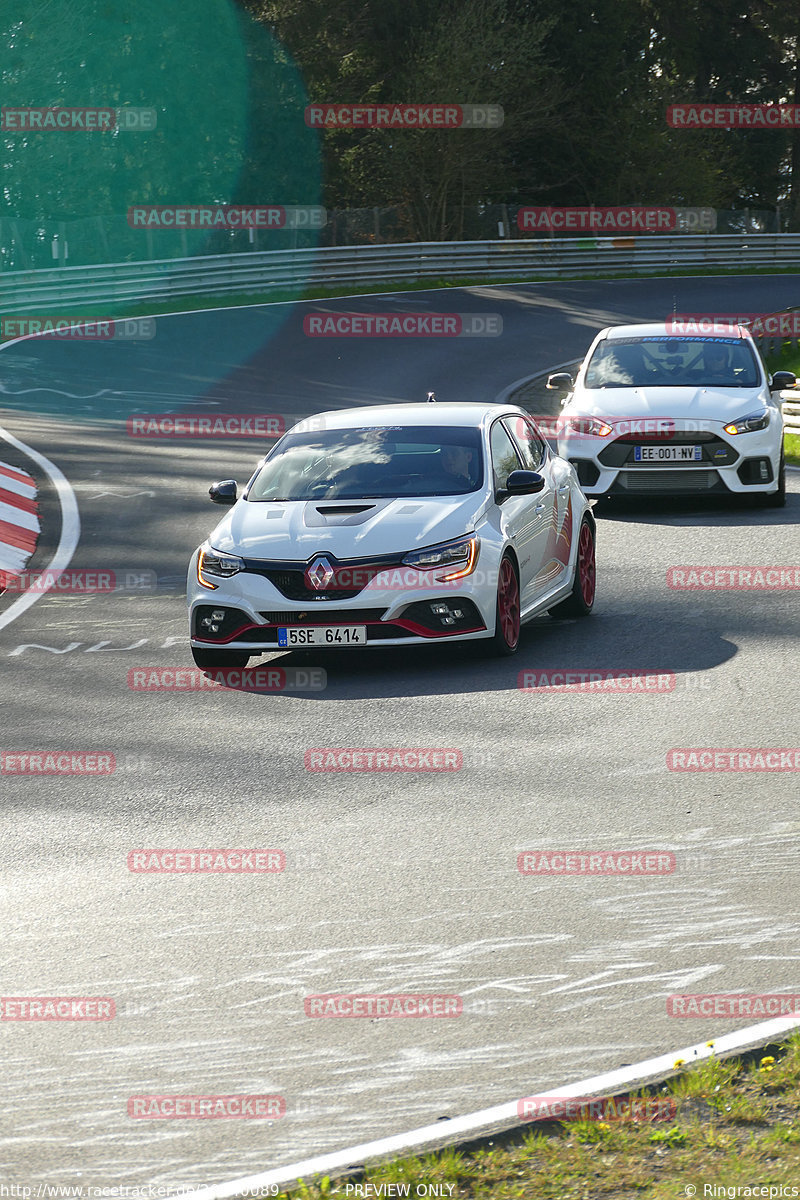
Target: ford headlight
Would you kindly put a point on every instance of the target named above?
(586, 426)
(750, 423)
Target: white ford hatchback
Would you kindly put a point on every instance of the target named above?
(655, 412)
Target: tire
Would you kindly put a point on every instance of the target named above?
(507, 622)
(778, 499)
(209, 660)
(580, 601)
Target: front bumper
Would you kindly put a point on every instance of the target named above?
(399, 614)
(740, 464)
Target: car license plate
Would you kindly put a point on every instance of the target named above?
(667, 453)
(323, 635)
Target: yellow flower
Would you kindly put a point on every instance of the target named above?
(679, 1062)
(767, 1063)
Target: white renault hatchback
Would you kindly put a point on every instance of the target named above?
(655, 412)
(392, 526)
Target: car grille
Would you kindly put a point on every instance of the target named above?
(665, 481)
(676, 437)
(349, 578)
(261, 635)
(322, 615)
(620, 452)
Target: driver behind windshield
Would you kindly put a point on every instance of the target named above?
(456, 465)
(717, 367)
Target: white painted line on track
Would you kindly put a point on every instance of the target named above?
(70, 526)
(472, 1125)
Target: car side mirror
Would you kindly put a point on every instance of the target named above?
(521, 483)
(781, 380)
(562, 382)
(223, 492)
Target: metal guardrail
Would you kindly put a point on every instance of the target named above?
(791, 413)
(53, 292)
(336, 266)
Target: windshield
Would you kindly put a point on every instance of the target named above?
(374, 463)
(672, 362)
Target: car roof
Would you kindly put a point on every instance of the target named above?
(721, 328)
(447, 413)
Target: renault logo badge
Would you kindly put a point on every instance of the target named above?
(319, 574)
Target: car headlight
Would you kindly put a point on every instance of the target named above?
(214, 563)
(586, 426)
(750, 423)
(461, 555)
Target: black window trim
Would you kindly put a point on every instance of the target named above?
(532, 425)
(520, 465)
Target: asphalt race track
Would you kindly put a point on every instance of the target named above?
(394, 883)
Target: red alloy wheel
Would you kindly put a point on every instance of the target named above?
(586, 567)
(508, 603)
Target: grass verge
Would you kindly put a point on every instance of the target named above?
(788, 359)
(791, 449)
(737, 1124)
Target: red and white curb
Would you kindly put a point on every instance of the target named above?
(490, 1120)
(19, 519)
(19, 522)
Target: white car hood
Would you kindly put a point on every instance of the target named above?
(293, 531)
(681, 403)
